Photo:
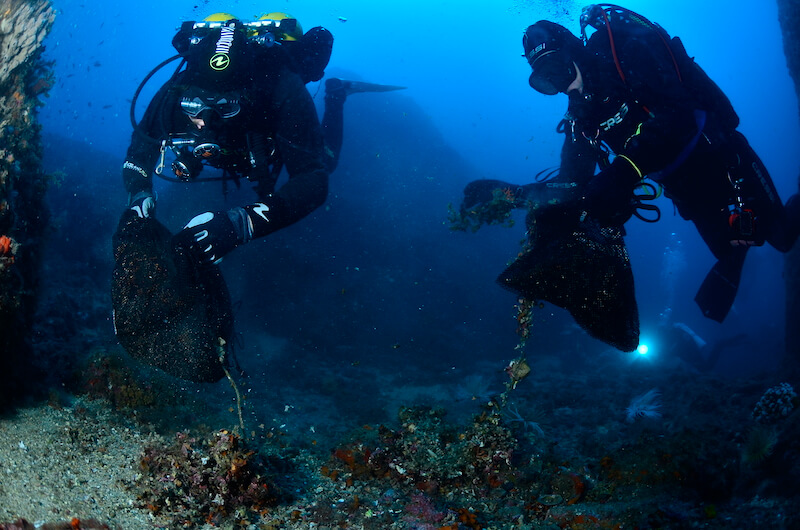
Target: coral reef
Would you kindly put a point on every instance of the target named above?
(426, 468)
(789, 17)
(197, 481)
(432, 455)
(23, 26)
(776, 404)
(23, 217)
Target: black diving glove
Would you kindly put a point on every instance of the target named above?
(608, 197)
(210, 236)
(143, 204)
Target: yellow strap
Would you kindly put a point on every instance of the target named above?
(635, 167)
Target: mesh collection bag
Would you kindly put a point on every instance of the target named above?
(583, 268)
(169, 311)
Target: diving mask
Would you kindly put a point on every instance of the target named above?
(196, 102)
(553, 72)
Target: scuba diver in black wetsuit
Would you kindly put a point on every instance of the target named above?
(241, 106)
(635, 93)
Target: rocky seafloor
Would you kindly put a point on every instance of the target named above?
(324, 443)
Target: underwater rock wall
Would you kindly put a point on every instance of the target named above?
(24, 78)
(789, 15)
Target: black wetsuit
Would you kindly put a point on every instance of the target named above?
(333, 128)
(277, 114)
(681, 132)
(658, 112)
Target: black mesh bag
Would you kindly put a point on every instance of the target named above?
(583, 268)
(169, 311)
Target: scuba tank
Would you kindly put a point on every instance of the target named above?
(619, 21)
(706, 92)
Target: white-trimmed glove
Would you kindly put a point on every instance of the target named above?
(144, 204)
(212, 235)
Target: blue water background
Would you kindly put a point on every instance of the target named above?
(376, 273)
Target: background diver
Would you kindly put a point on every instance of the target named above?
(679, 341)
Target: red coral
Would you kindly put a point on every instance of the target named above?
(6, 250)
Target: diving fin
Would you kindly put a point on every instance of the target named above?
(353, 87)
(718, 290)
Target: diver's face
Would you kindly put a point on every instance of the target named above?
(577, 83)
(206, 109)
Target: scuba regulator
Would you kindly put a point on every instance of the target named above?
(203, 108)
(258, 159)
(190, 151)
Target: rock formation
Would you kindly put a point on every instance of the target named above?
(24, 77)
(789, 15)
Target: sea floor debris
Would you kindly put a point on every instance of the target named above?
(89, 459)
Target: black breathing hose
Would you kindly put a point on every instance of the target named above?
(144, 82)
